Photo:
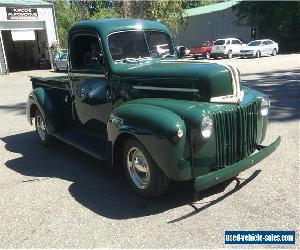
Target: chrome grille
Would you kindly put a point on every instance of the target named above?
(236, 132)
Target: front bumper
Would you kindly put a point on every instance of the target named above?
(247, 54)
(213, 178)
(215, 53)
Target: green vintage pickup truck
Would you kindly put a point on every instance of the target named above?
(133, 104)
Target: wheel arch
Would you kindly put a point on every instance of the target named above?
(156, 129)
(40, 99)
(118, 145)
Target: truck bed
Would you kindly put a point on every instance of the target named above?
(54, 82)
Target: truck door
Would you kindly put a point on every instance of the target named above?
(91, 88)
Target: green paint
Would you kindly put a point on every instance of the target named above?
(155, 116)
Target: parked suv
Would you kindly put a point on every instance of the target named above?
(227, 47)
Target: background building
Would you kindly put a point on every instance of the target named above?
(27, 29)
(210, 22)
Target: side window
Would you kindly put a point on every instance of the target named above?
(236, 42)
(86, 52)
(265, 43)
(228, 42)
(269, 42)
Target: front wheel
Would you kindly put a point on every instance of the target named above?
(41, 129)
(142, 174)
(258, 54)
(207, 55)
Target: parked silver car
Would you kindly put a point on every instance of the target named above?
(61, 63)
(258, 48)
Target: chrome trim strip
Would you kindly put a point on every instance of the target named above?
(167, 89)
(87, 74)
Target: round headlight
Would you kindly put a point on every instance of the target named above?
(206, 126)
(264, 106)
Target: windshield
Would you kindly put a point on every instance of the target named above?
(219, 42)
(139, 44)
(255, 43)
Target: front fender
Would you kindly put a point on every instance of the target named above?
(39, 98)
(156, 128)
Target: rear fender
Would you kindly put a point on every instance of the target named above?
(39, 98)
(157, 129)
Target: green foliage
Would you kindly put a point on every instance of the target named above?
(66, 15)
(105, 10)
(188, 4)
(171, 13)
(279, 21)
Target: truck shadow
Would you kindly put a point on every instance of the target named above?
(101, 189)
(283, 89)
(19, 108)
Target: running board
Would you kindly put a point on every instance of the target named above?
(93, 147)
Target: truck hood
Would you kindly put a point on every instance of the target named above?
(184, 79)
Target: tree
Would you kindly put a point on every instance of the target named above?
(279, 21)
(68, 13)
(171, 13)
(188, 4)
(105, 9)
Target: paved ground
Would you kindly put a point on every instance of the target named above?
(60, 197)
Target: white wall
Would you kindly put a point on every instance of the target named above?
(211, 26)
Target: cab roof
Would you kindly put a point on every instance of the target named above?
(107, 26)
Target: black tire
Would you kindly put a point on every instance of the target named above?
(274, 52)
(41, 132)
(207, 55)
(196, 57)
(258, 54)
(229, 54)
(156, 182)
(55, 67)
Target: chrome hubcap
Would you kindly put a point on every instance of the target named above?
(40, 126)
(138, 168)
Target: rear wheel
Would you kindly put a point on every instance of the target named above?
(41, 129)
(274, 52)
(55, 67)
(229, 55)
(207, 55)
(196, 57)
(258, 54)
(142, 174)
